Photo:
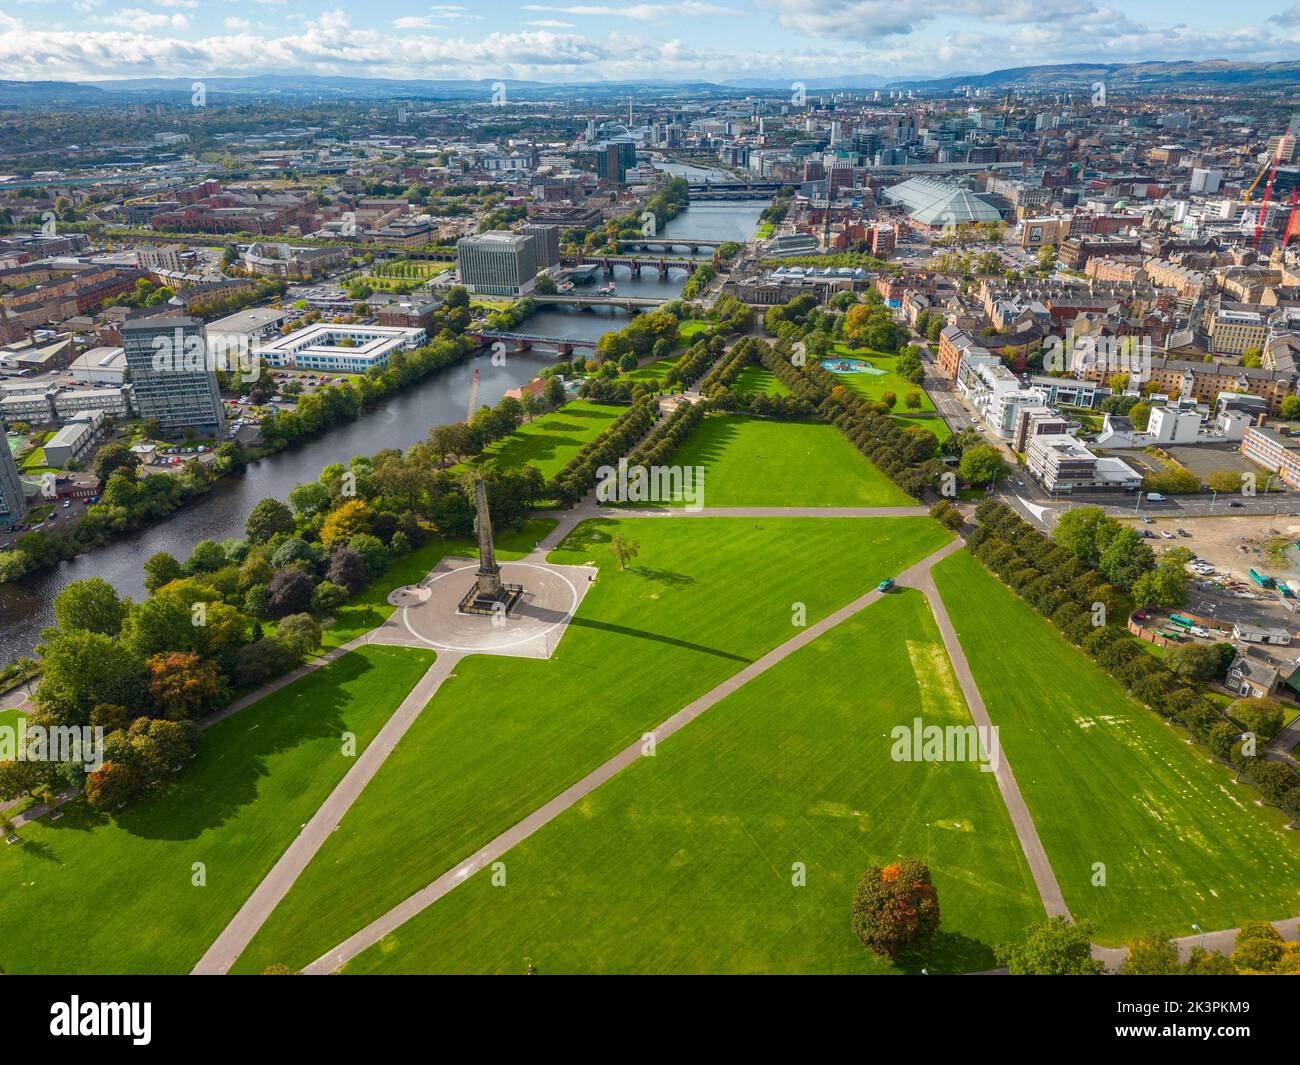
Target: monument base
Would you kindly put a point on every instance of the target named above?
(475, 601)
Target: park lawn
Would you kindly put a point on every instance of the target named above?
(1108, 781)
(688, 327)
(653, 372)
(370, 608)
(682, 863)
(761, 462)
(755, 379)
(89, 894)
(504, 735)
(935, 425)
(873, 386)
(550, 441)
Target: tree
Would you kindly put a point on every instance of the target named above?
(113, 785)
(115, 458)
(347, 569)
(912, 401)
(19, 778)
(90, 604)
(982, 465)
(262, 660)
(1258, 948)
(299, 633)
(309, 499)
(159, 569)
(1264, 717)
(82, 668)
(1193, 661)
(895, 908)
(1054, 947)
(1085, 532)
(327, 598)
(346, 521)
(947, 515)
(182, 685)
(269, 518)
(1125, 558)
(1153, 954)
(289, 592)
(1140, 415)
(1166, 585)
(624, 548)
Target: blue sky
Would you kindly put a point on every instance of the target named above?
(562, 40)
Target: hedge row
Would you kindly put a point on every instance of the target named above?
(668, 435)
(579, 473)
(698, 358)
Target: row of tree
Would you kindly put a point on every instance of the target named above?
(579, 474)
(1083, 606)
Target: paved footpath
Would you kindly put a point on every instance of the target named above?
(426, 897)
(276, 884)
(1026, 832)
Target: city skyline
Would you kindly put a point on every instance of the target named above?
(681, 40)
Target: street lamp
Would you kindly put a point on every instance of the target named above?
(1138, 504)
(1198, 928)
(1214, 495)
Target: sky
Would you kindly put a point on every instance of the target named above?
(565, 41)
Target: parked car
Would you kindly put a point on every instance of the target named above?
(1234, 503)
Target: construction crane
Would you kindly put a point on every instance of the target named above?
(1268, 196)
(473, 398)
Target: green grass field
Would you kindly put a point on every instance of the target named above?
(504, 735)
(683, 862)
(1109, 782)
(755, 379)
(765, 463)
(653, 372)
(86, 894)
(370, 608)
(553, 439)
(873, 386)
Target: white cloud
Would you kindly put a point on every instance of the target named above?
(141, 21)
(641, 12)
(239, 25)
(551, 24)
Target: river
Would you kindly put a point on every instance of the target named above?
(27, 607)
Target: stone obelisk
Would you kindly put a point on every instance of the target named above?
(489, 588)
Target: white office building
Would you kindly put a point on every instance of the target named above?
(339, 348)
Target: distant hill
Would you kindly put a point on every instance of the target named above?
(1120, 76)
(1117, 76)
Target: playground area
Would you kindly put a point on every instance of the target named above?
(842, 365)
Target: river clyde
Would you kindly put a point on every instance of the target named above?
(27, 606)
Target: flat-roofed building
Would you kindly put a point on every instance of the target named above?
(497, 263)
(339, 348)
(171, 374)
(13, 502)
(1061, 464)
(99, 366)
(71, 443)
(1278, 454)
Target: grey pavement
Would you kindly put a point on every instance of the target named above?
(427, 896)
(227, 947)
(1026, 832)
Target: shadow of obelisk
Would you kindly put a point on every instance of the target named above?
(488, 594)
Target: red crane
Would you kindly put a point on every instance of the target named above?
(1268, 192)
(1293, 222)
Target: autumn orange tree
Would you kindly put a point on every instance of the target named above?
(182, 685)
(895, 907)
